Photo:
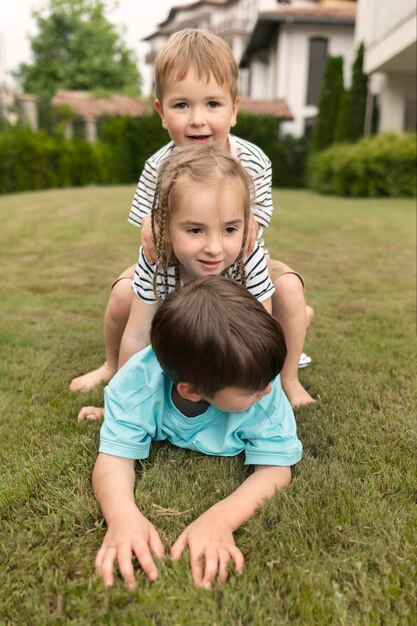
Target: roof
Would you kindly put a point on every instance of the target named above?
(163, 26)
(322, 13)
(278, 108)
(268, 22)
(87, 106)
(190, 5)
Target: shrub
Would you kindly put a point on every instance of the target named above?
(383, 165)
(129, 142)
(31, 160)
(287, 154)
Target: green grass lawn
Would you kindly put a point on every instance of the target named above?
(338, 547)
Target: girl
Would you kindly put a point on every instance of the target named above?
(200, 218)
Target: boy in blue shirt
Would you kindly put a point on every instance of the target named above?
(208, 383)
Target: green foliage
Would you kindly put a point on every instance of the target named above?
(287, 154)
(31, 160)
(351, 118)
(328, 104)
(76, 47)
(130, 141)
(383, 165)
(54, 119)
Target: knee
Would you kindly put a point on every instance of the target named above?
(118, 306)
(289, 288)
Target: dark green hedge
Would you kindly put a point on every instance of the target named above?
(31, 160)
(287, 154)
(384, 165)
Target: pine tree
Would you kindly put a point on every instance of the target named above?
(329, 101)
(351, 118)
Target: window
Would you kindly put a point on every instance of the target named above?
(309, 123)
(410, 116)
(316, 63)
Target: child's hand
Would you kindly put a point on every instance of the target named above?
(252, 236)
(212, 546)
(148, 244)
(90, 413)
(130, 535)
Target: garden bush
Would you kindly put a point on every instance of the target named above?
(30, 160)
(383, 165)
(287, 154)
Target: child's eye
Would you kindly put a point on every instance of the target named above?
(194, 231)
(213, 104)
(231, 229)
(180, 105)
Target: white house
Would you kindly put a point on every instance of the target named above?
(287, 50)
(388, 29)
(281, 46)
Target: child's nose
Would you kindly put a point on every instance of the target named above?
(214, 245)
(197, 117)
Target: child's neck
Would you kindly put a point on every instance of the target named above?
(187, 407)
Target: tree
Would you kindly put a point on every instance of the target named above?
(78, 48)
(329, 100)
(351, 119)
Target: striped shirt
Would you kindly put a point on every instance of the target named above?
(250, 156)
(258, 281)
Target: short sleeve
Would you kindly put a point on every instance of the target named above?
(273, 440)
(142, 284)
(258, 281)
(125, 433)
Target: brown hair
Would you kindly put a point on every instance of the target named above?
(212, 333)
(208, 165)
(200, 50)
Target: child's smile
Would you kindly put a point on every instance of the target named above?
(196, 111)
(206, 228)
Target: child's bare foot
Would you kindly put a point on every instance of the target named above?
(296, 393)
(101, 375)
(90, 413)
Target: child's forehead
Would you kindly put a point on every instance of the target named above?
(175, 78)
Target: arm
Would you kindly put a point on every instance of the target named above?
(268, 305)
(129, 532)
(136, 334)
(211, 535)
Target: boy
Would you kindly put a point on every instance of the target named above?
(209, 384)
(197, 100)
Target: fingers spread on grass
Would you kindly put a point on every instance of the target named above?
(211, 565)
(156, 544)
(90, 413)
(127, 572)
(106, 565)
(143, 555)
(179, 546)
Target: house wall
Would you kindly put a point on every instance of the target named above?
(388, 30)
(284, 71)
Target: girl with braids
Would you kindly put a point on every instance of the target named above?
(200, 219)
(196, 88)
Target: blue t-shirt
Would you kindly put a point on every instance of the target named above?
(139, 409)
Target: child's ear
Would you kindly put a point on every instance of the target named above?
(158, 109)
(186, 391)
(235, 109)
